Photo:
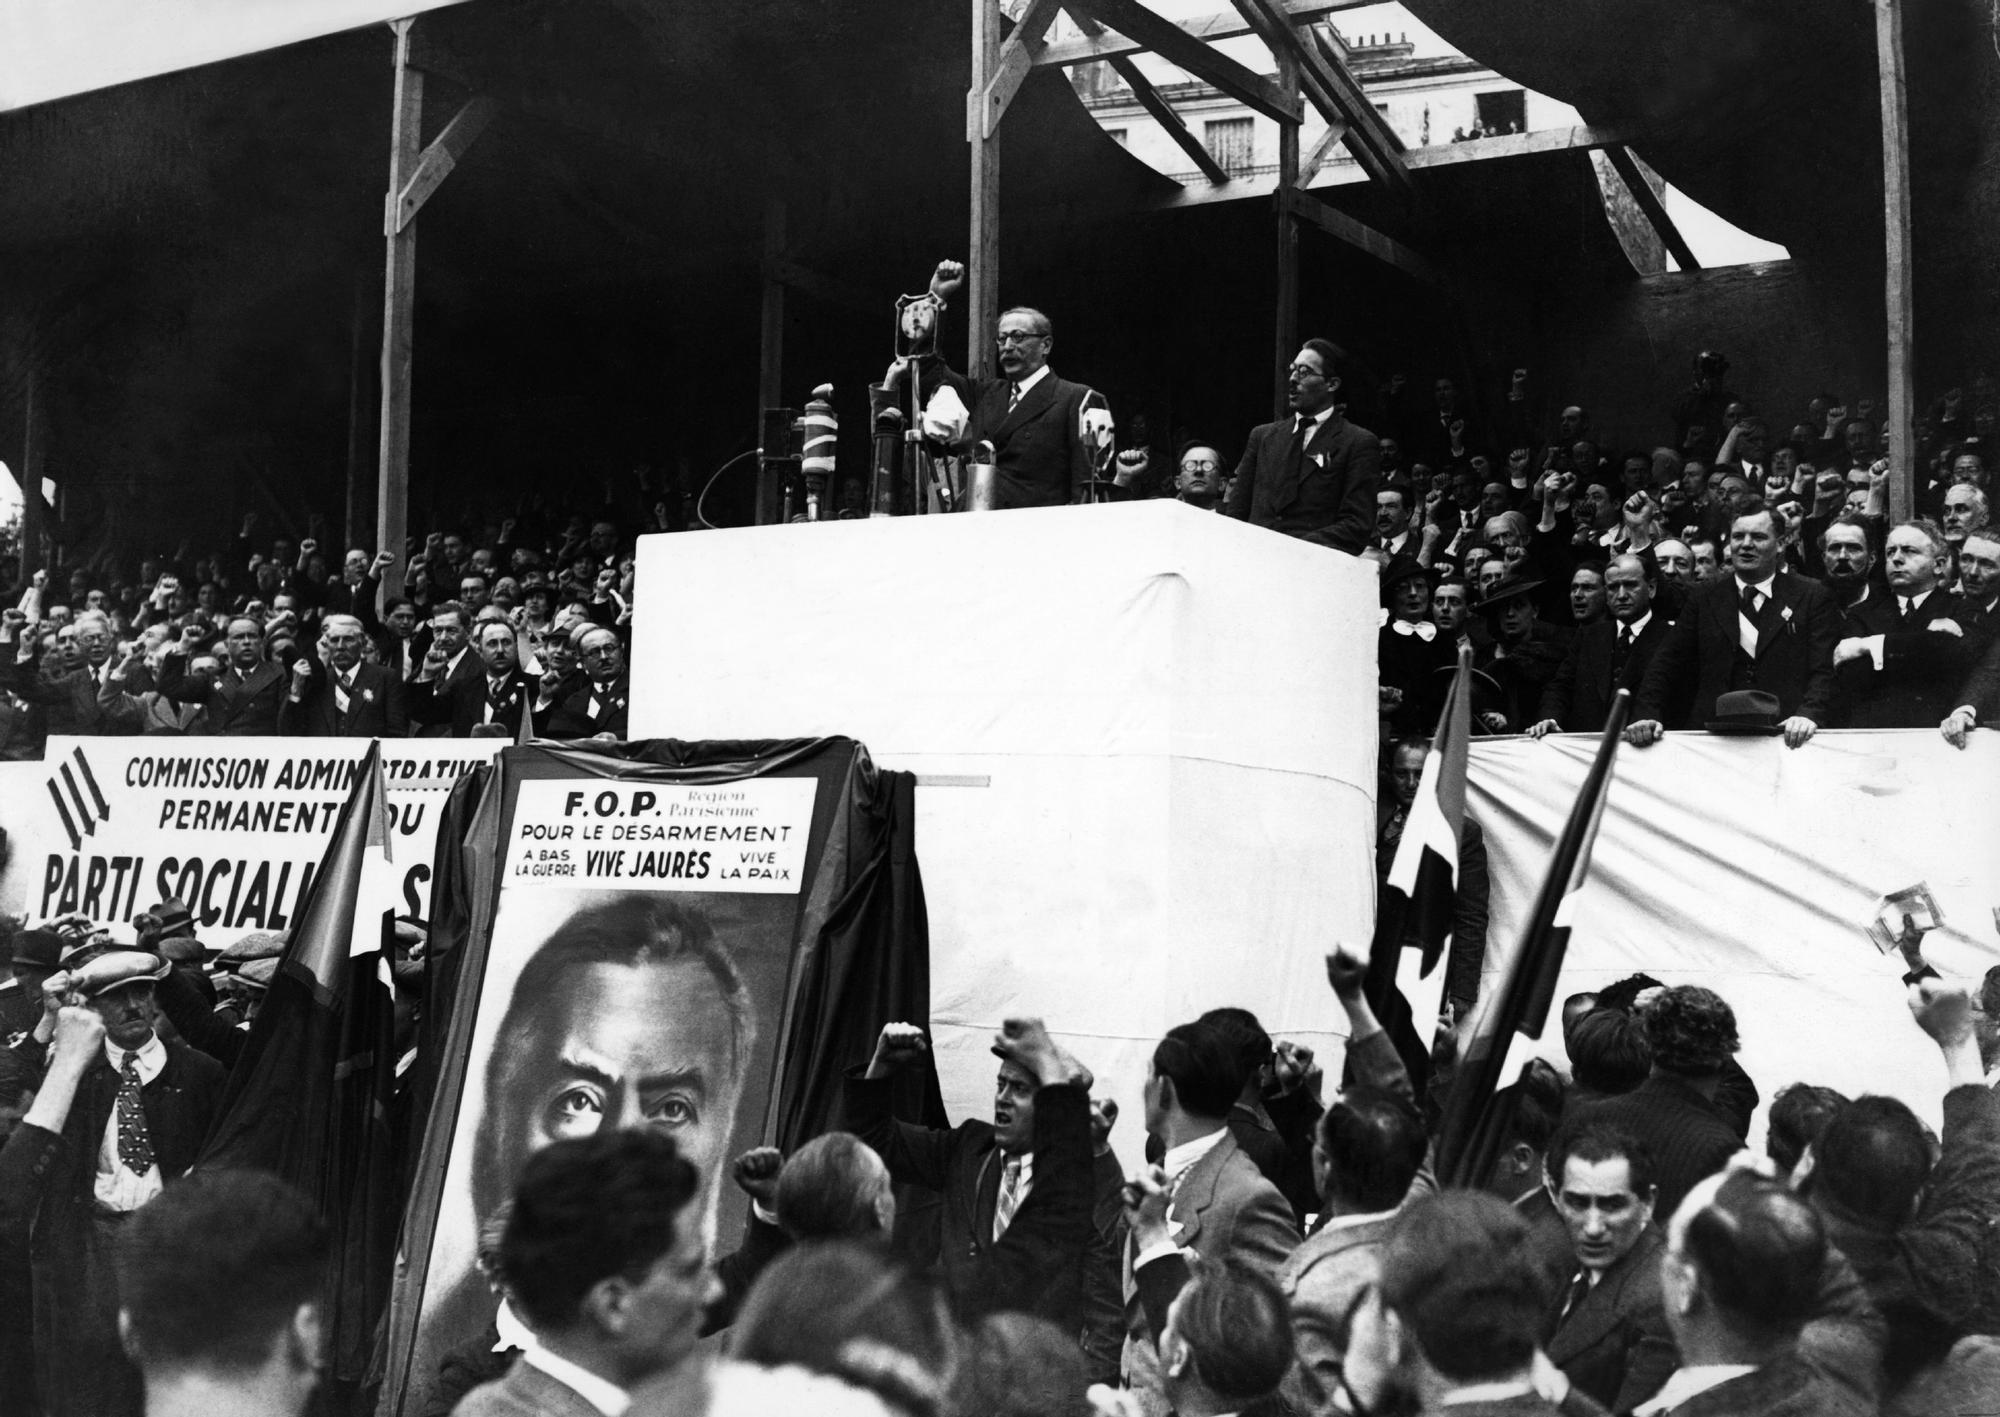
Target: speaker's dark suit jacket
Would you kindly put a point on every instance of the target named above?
(461, 702)
(1038, 450)
(1579, 697)
(1700, 660)
(1921, 671)
(375, 707)
(1614, 1343)
(234, 705)
(467, 670)
(1325, 495)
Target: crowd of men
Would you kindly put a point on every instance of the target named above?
(523, 621)
(1287, 1248)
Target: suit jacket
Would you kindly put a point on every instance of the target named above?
(1037, 1265)
(1579, 697)
(1687, 1134)
(1039, 456)
(1615, 1344)
(1981, 689)
(234, 705)
(1327, 496)
(1222, 1206)
(1921, 671)
(461, 703)
(1700, 660)
(468, 669)
(375, 706)
(1323, 1279)
(571, 717)
(1786, 1388)
(526, 1391)
(72, 1331)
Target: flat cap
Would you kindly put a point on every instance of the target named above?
(114, 970)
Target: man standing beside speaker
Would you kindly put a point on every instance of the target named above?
(1312, 475)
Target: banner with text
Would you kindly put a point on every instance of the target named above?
(233, 827)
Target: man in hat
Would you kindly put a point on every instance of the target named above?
(215, 1027)
(138, 1119)
(34, 959)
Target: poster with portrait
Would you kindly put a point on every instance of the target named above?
(655, 932)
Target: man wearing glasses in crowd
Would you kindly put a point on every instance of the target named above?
(596, 703)
(1312, 475)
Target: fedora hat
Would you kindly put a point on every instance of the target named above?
(1749, 713)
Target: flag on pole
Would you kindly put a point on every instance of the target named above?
(310, 1097)
(1420, 896)
(1477, 1113)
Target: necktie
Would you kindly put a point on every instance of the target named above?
(496, 698)
(1010, 1197)
(1578, 1287)
(343, 691)
(1753, 602)
(1013, 396)
(1903, 607)
(1622, 648)
(135, 1147)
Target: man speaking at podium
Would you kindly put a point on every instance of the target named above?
(1035, 421)
(1312, 475)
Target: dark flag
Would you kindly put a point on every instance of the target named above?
(1419, 896)
(1477, 1115)
(309, 1099)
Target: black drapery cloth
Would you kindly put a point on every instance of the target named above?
(860, 958)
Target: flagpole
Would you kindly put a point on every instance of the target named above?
(1477, 1114)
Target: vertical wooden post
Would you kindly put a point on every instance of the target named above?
(1900, 301)
(771, 355)
(34, 423)
(983, 254)
(399, 299)
(360, 402)
(1286, 343)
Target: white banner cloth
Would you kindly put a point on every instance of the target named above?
(1754, 869)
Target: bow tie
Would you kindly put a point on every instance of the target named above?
(1422, 629)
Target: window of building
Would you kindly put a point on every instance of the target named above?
(1117, 135)
(1229, 142)
(1505, 112)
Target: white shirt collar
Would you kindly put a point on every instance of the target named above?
(513, 1333)
(1638, 626)
(152, 1057)
(1348, 1222)
(1915, 600)
(1022, 386)
(1691, 1382)
(1313, 419)
(606, 1396)
(1179, 1158)
(1485, 1392)
(1762, 587)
